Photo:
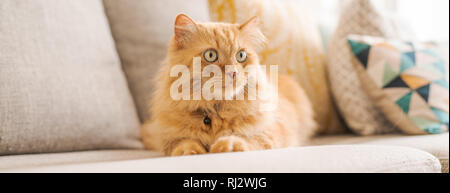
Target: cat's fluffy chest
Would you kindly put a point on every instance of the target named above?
(227, 117)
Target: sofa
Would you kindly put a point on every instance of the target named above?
(340, 154)
(70, 100)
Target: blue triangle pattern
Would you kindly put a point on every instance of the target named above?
(361, 51)
(442, 82)
(441, 115)
(412, 56)
(407, 62)
(440, 66)
(424, 91)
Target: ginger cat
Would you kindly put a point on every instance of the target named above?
(187, 127)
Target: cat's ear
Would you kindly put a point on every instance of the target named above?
(251, 32)
(184, 27)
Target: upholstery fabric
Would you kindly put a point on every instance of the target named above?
(359, 112)
(437, 145)
(342, 158)
(142, 30)
(61, 83)
(294, 44)
(67, 158)
(406, 80)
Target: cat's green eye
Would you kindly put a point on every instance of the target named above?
(241, 56)
(210, 55)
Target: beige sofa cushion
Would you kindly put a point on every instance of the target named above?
(68, 158)
(61, 84)
(341, 158)
(437, 145)
(142, 30)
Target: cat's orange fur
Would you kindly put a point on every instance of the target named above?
(177, 127)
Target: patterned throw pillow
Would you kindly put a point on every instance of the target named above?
(294, 44)
(407, 80)
(360, 113)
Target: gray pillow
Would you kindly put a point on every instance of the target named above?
(61, 84)
(142, 30)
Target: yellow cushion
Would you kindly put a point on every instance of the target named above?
(294, 44)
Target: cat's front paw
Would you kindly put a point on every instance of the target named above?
(188, 147)
(229, 144)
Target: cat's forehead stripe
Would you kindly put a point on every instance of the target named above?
(228, 36)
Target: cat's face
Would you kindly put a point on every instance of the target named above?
(229, 48)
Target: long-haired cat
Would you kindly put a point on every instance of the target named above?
(186, 127)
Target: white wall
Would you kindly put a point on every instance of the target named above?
(428, 18)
